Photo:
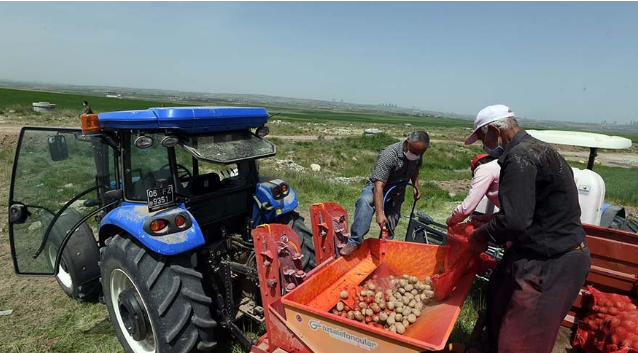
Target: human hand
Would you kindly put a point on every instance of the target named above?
(449, 222)
(417, 193)
(478, 241)
(382, 221)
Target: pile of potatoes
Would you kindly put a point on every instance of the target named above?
(391, 303)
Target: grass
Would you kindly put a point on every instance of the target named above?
(21, 100)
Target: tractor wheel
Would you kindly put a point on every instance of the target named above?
(156, 303)
(79, 271)
(296, 222)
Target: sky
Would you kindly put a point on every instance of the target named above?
(569, 61)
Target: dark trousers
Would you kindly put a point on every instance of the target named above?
(527, 300)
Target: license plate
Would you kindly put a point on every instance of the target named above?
(159, 198)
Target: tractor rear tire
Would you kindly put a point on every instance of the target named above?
(78, 274)
(296, 222)
(168, 292)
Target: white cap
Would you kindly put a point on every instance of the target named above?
(488, 115)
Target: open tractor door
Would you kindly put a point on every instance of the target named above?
(57, 182)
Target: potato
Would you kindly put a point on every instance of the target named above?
(390, 321)
(400, 328)
(411, 318)
(363, 305)
(350, 315)
(383, 317)
(371, 286)
(406, 323)
(398, 305)
(382, 305)
(408, 287)
(390, 305)
(375, 318)
(406, 300)
(398, 317)
(416, 312)
(402, 290)
(427, 287)
(406, 311)
(413, 279)
(428, 280)
(369, 312)
(343, 294)
(358, 315)
(340, 306)
(423, 296)
(419, 306)
(414, 292)
(412, 303)
(376, 309)
(428, 294)
(393, 329)
(403, 282)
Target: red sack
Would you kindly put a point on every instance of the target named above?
(458, 261)
(611, 325)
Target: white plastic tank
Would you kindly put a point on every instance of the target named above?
(591, 195)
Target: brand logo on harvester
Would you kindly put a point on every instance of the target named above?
(361, 342)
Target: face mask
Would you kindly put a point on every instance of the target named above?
(496, 153)
(411, 156)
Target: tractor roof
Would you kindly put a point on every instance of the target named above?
(188, 119)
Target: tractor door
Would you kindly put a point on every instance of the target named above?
(53, 192)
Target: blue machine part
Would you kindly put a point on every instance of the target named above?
(283, 204)
(605, 207)
(188, 119)
(131, 217)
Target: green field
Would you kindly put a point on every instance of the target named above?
(21, 100)
(45, 320)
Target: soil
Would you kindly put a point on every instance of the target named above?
(454, 186)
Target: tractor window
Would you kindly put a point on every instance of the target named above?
(148, 165)
(228, 147)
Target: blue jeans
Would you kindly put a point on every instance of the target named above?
(364, 210)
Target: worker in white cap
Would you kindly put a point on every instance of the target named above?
(542, 272)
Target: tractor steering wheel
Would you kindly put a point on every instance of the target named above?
(183, 174)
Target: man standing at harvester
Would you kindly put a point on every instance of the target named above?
(396, 164)
(535, 284)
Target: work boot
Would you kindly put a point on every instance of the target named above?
(349, 249)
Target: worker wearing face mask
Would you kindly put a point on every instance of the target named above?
(538, 279)
(485, 174)
(396, 164)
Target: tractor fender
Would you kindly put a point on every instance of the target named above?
(281, 206)
(131, 217)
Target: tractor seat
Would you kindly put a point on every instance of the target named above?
(204, 183)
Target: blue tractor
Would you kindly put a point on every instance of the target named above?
(152, 211)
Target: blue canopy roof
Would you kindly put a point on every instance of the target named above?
(188, 119)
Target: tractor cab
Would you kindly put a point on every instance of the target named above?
(134, 192)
